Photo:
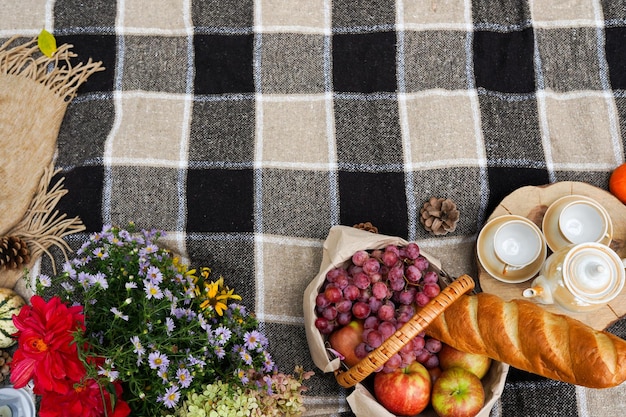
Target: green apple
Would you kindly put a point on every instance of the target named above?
(450, 357)
(345, 339)
(404, 391)
(457, 393)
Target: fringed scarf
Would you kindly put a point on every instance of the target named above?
(34, 93)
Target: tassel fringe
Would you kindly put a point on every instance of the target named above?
(56, 73)
(42, 226)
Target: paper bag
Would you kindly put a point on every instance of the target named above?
(341, 243)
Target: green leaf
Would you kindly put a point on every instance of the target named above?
(47, 43)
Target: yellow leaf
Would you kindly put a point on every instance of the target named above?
(47, 43)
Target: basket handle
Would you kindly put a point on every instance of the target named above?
(426, 315)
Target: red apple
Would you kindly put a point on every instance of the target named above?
(450, 357)
(345, 339)
(457, 393)
(405, 391)
(434, 373)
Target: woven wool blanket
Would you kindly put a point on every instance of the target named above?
(248, 128)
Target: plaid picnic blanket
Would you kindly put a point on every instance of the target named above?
(246, 129)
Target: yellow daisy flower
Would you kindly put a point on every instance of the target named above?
(214, 294)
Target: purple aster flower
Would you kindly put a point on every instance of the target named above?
(68, 268)
(108, 373)
(238, 307)
(220, 352)
(171, 397)
(85, 280)
(115, 240)
(268, 362)
(193, 361)
(44, 280)
(268, 383)
(154, 275)
(246, 357)
(158, 360)
(96, 237)
(67, 287)
(119, 314)
(252, 339)
(178, 312)
(139, 240)
(184, 377)
(147, 250)
(152, 291)
(170, 296)
(100, 253)
(138, 347)
(222, 335)
(125, 235)
(204, 325)
(101, 280)
(83, 248)
(241, 374)
(170, 325)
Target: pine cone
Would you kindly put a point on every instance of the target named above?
(439, 216)
(367, 226)
(14, 252)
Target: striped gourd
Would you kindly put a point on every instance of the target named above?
(10, 304)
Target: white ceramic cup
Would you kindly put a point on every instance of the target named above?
(583, 221)
(17, 402)
(517, 244)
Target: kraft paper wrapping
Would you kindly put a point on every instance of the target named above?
(341, 243)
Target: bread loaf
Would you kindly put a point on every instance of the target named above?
(527, 337)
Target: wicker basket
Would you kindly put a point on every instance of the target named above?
(342, 242)
(377, 358)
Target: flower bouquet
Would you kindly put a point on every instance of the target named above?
(127, 328)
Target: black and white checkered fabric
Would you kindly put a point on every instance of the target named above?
(248, 128)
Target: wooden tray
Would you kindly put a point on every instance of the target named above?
(532, 202)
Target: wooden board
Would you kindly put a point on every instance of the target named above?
(532, 203)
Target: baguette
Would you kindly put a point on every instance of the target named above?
(528, 337)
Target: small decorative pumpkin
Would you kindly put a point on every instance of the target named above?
(10, 304)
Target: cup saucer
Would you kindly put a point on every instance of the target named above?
(494, 266)
(550, 223)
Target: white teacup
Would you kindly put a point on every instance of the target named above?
(517, 244)
(583, 221)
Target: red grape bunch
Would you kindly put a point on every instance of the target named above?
(383, 288)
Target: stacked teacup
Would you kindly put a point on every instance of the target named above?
(582, 274)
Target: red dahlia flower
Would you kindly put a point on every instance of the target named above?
(85, 399)
(46, 350)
